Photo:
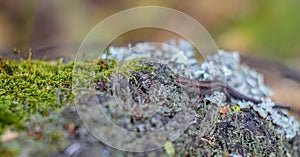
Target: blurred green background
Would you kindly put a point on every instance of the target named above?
(266, 29)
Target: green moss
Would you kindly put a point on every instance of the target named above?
(87, 74)
(38, 87)
(28, 87)
(106, 68)
(169, 148)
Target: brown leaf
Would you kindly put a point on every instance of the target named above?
(224, 110)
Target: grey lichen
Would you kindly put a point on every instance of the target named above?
(224, 66)
(249, 82)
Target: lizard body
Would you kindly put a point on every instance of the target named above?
(207, 87)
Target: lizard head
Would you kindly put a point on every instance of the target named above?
(188, 84)
(183, 82)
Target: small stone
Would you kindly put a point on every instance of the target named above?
(72, 149)
(9, 136)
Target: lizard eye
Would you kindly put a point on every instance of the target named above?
(176, 81)
(180, 82)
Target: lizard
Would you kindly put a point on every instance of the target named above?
(207, 87)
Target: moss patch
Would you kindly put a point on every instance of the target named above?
(29, 87)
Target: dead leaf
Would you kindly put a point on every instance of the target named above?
(224, 110)
(71, 128)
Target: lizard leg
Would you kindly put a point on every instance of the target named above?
(194, 105)
(227, 94)
(203, 93)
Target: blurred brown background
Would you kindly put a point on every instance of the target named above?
(267, 30)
